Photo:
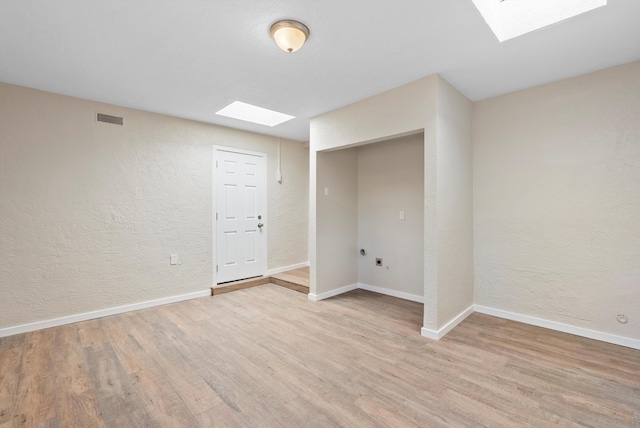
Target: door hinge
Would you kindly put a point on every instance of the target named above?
(216, 268)
(216, 164)
(216, 216)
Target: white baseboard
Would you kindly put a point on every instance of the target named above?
(440, 333)
(393, 293)
(286, 268)
(373, 288)
(331, 293)
(558, 326)
(552, 325)
(24, 328)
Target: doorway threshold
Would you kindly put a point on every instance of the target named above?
(296, 279)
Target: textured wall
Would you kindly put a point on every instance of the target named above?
(557, 201)
(390, 180)
(288, 205)
(90, 212)
(455, 203)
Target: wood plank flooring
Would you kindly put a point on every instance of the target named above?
(269, 357)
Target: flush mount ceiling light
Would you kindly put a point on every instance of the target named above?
(289, 35)
(513, 18)
(250, 113)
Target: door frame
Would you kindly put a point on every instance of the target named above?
(262, 176)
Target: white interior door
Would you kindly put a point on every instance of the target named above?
(240, 214)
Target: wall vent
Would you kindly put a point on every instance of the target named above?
(106, 118)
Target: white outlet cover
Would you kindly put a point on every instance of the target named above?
(174, 259)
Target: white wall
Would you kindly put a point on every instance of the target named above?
(90, 212)
(401, 111)
(557, 201)
(455, 203)
(288, 205)
(447, 243)
(337, 219)
(390, 180)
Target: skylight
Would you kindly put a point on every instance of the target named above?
(513, 18)
(250, 113)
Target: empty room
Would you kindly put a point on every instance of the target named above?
(303, 213)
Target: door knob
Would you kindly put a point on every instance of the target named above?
(260, 224)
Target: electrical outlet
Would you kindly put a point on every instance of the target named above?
(173, 259)
(379, 262)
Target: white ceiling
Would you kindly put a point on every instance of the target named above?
(191, 58)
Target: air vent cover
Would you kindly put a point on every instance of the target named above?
(106, 118)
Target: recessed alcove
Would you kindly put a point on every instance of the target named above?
(434, 112)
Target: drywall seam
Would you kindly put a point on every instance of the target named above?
(39, 325)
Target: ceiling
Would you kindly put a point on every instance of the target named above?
(193, 57)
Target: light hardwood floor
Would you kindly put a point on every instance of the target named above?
(268, 357)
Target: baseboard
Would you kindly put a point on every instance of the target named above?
(440, 333)
(286, 268)
(373, 288)
(393, 293)
(331, 293)
(565, 328)
(25, 328)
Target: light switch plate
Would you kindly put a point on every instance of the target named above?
(401, 215)
(173, 259)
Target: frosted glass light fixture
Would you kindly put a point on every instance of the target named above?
(289, 35)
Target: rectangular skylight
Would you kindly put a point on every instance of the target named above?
(513, 18)
(250, 113)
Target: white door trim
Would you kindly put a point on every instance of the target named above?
(262, 177)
